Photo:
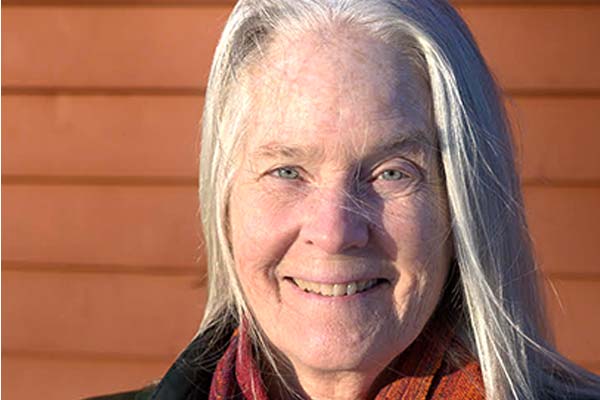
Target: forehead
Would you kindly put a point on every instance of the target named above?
(336, 88)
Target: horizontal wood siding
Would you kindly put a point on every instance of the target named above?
(573, 307)
(122, 225)
(544, 49)
(26, 376)
(565, 224)
(154, 226)
(103, 268)
(150, 317)
(150, 136)
(102, 136)
(557, 138)
(131, 316)
(102, 47)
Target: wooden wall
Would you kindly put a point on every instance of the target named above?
(102, 269)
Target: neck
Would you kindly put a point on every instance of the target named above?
(319, 385)
(306, 383)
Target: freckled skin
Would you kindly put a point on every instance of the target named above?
(336, 211)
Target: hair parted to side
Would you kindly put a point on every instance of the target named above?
(504, 316)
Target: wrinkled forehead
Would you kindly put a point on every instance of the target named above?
(340, 85)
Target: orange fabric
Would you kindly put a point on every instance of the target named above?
(422, 372)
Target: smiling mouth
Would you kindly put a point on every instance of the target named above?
(337, 289)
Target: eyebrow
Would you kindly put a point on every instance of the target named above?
(281, 150)
(416, 141)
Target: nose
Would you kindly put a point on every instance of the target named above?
(335, 222)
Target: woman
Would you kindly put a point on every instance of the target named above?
(363, 218)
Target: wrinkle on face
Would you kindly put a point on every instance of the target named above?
(339, 111)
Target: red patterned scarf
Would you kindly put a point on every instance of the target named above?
(422, 372)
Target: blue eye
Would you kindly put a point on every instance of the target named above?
(286, 173)
(392, 175)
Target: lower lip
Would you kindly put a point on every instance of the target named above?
(319, 297)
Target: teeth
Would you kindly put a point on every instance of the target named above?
(361, 286)
(370, 284)
(338, 289)
(351, 288)
(325, 290)
(301, 284)
(312, 286)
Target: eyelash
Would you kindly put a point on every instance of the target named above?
(403, 174)
(277, 173)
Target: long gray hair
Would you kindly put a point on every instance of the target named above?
(504, 318)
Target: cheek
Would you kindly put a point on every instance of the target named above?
(415, 229)
(262, 228)
(416, 232)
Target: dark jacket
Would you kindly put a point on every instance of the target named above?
(142, 394)
(185, 380)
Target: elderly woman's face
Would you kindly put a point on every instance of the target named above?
(338, 215)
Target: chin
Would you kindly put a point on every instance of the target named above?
(335, 354)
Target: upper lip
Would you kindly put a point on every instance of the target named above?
(338, 271)
(333, 281)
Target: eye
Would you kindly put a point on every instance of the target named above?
(392, 175)
(286, 173)
(396, 177)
